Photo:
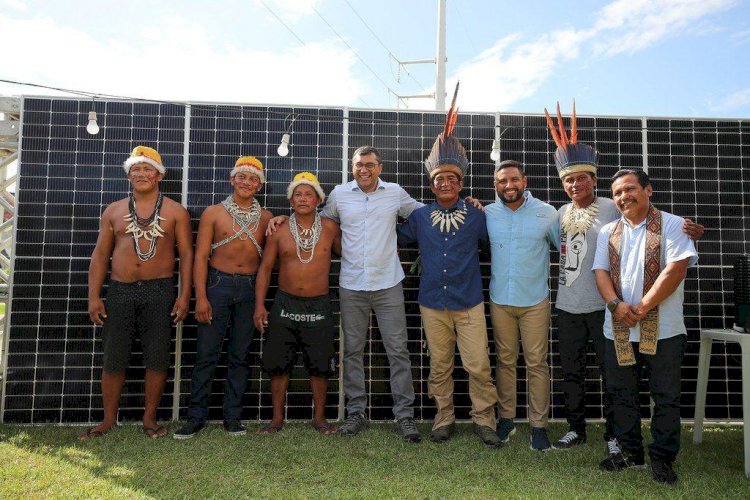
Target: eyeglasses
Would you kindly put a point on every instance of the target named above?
(366, 166)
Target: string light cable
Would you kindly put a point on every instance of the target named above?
(239, 109)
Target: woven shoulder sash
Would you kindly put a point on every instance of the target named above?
(651, 270)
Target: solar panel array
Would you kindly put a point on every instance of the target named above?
(700, 170)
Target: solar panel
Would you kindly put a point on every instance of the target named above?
(66, 177)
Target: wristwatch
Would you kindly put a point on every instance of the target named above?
(612, 304)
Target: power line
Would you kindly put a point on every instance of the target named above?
(278, 18)
(466, 31)
(390, 53)
(354, 52)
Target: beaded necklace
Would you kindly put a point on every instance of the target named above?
(579, 220)
(305, 239)
(245, 222)
(144, 227)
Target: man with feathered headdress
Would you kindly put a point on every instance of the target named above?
(451, 301)
(580, 309)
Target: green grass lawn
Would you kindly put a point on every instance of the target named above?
(49, 461)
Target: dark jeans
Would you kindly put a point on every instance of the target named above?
(574, 331)
(664, 386)
(232, 299)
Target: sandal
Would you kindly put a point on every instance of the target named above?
(270, 428)
(325, 428)
(154, 432)
(93, 432)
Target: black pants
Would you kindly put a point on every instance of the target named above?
(574, 331)
(664, 386)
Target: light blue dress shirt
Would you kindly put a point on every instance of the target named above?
(520, 243)
(675, 246)
(369, 259)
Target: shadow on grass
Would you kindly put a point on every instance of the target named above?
(298, 462)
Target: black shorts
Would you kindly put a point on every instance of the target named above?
(138, 310)
(299, 323)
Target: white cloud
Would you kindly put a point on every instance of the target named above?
(514, 69)
(508, 72)
(182, 62)
(14, 4)
(627, 26)
(741, 36)
(736, 102)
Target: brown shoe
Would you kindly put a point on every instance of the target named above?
(487, 435)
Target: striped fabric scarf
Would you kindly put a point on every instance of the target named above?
(651, 270)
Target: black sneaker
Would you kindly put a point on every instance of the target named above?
(235, 428)
(613, 447)
(443, 433)
(406, 427)
(354, 424)
(569, 440)
(189, 430)
(662, 472)
(540, 439)
(619, 462)
(505, 429)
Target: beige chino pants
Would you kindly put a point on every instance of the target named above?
(531, 326)
(468, 328)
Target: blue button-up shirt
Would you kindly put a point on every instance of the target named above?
(369, 259)
(520, 243)
(451, 278)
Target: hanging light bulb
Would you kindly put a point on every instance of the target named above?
(495, 155)
(93, 127)
(284, 146)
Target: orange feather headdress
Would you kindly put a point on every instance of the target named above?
(570, 156)
(447, 153)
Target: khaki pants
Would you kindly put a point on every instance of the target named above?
(469, 328)
(531, 324)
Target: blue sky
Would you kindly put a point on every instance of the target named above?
(623, 57)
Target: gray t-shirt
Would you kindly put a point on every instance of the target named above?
(577, 292)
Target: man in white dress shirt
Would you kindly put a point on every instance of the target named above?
(641, 262)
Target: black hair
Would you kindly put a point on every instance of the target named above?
(642, 176)
(508, 164)
(366, 150)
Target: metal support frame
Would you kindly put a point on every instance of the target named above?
(440, 59)
(10, 132)
(644, 141)
(439, 62)
(344, 178)
(177, 377)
